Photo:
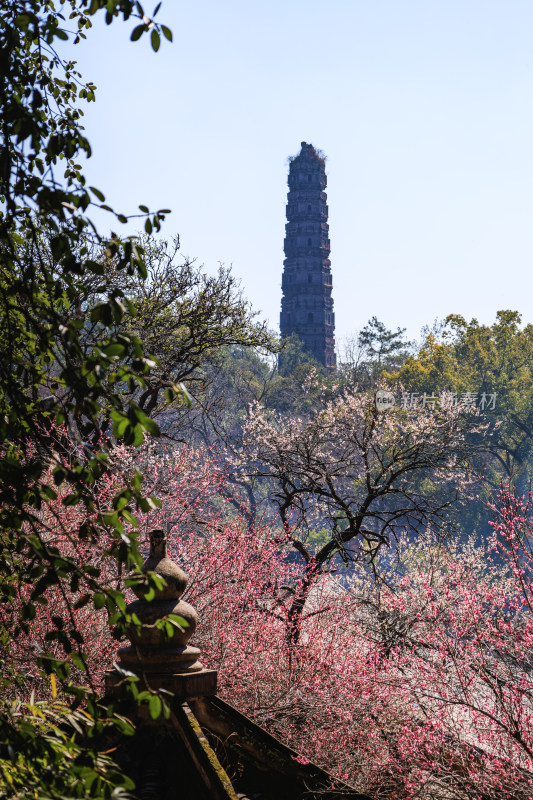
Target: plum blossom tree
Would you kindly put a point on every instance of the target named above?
(420, 687)
(361, 476)
(417, 686)
(68, 618)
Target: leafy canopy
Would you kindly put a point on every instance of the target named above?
(59, 387)
(491, 359)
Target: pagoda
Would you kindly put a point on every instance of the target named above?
(307, 304)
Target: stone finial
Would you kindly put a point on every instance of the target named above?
(164, 661)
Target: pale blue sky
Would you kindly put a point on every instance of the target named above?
(425, 113)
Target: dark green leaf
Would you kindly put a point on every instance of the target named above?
(137, 32)
(154, 705)
(97, 193)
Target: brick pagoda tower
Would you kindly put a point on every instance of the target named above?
(307, 305)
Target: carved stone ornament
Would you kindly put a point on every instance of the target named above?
(163, 661)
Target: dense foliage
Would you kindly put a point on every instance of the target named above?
(73, 374)
(467, 357)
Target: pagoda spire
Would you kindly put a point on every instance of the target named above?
(307, 304)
